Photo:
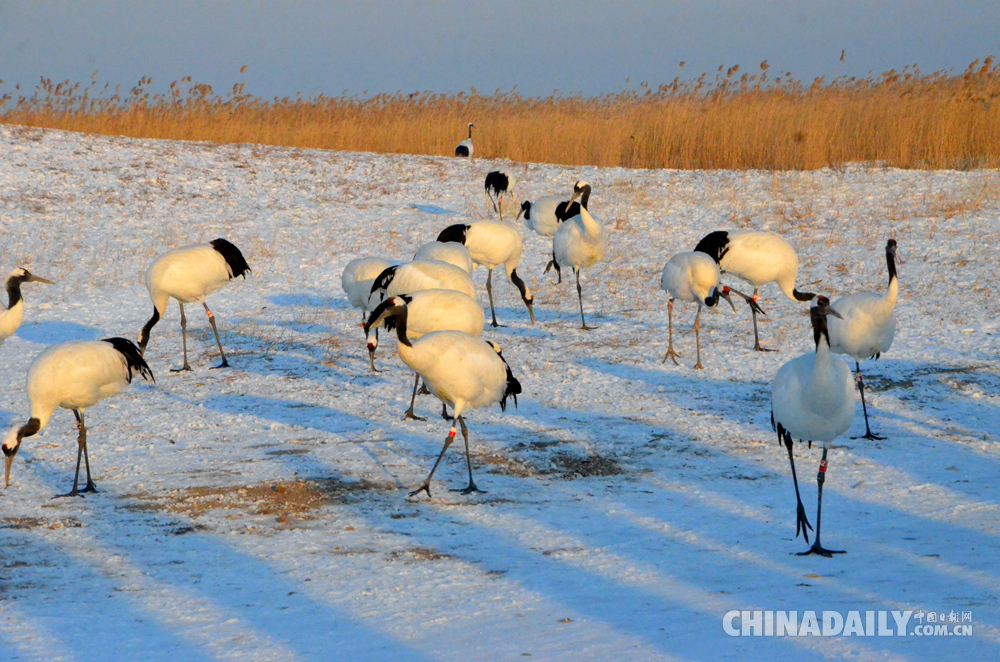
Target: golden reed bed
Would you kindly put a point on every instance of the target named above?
(734, 120)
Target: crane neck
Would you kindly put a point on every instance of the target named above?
(400, 312)
(14, 290)
(890, 263)
(821, 332)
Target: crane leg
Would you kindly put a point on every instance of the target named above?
(444, 413)
(861, 387)
(489, 290)
(409, 412)
(426, 487)
(579, 295)
(756, 338)
(81, 453)
(671, 354)
(697, 338)
(553, 263)
(211, 319)
(472, 485)
(817, 548)
(802, 523)
(184, 341)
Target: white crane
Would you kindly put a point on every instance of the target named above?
(357, 279)
(499, 184)
(492, 244)
(868, 326)
(465, 147)
(462, 371)
(812, 399)
(693, 277)
(544, 216)
(190, 274)
(428, 311)
(580, 241)
(75, 375)
(758, 258)
(415, 276)
(10, 319)
(449, 252)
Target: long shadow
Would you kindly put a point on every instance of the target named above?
(241, 585)
(69, 602)
(51, 333)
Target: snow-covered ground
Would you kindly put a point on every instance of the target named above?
(260, 512)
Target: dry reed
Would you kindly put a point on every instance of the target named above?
(898, 119)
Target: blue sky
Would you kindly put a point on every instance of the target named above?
(585, 46)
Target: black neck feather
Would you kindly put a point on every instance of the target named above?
(890, 263)
(820, 329)
(14, 290)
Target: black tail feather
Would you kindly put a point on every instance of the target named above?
(133, 359)
(455, 233)
(234, 258)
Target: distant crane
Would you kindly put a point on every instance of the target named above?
(10, 319)
(491, 244)
(190, 274)
(812, 398)
(357, 279)
(868, 326)
(758, 258)
(465, 147)
(75, 375)
(580, 241)
(462, 371)
(499, 184)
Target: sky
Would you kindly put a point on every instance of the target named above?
(588, 47)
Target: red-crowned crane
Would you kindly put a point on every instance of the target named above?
(462, 371)
(693, 277)
(544, 215)
(499, 185)
(190, 274)
(428, 311)
(758, 258)
(357, 279)
(413, 277)
(10, 319)
(580, 242)
(75, 375)
(812, 399)
(868, 326)
(491, 244)
(449, 252)
(465, 148)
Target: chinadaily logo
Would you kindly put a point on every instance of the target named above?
(909, 623)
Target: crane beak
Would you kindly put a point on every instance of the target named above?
(10, 460)
(531, 310)
(519, 212)
(576, 194)
(38, 279)
(835, 313)
(724, 293)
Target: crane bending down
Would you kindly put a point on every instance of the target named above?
(75, 375)
(758, 258)
(190, 274)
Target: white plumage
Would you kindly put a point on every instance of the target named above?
(10, 319)
(540, 214)
(758, 258)
(465, 148)
(694, 278)
(868, 326)
(357, 279)
(75, 375)
(429, 311)
(580, 241)
(462, 371)
(190, 274)
(492, 244)
(812, 399)
(449, 252)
